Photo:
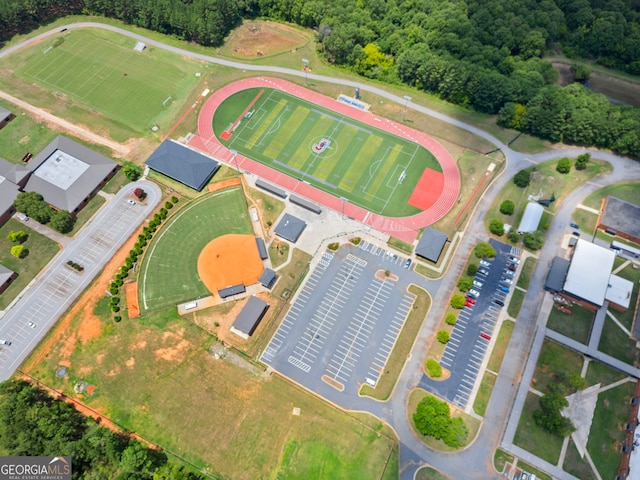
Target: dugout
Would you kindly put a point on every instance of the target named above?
(179, 162)
(262, 249)
(232, 290)
(278, 192)
(249, 318)
(431, 244)
(268, 278)
(301, 202)
(290, 228)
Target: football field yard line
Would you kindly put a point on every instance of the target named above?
(280, 141)
(353, 175)
(325, 167)
(393, 192)
(267, 124)
(370, 188)
(303, 157)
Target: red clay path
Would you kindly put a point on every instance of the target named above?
(403, 228)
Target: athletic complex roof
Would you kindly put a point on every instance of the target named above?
(66, 173)
(531, 218)
(249, 317)
(290, 228)
(557, 274)
(267, 278)
(622, 216)
(589, 272)
(182, 164)
(431, 244)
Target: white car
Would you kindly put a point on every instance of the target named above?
(515, 260)
(477, 284)
(31, 325)
(475, 293)
(506, 280)
(484, 263)
(131, 202)
(508, 272)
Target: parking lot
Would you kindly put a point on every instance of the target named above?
(466, 350)
(343, 324)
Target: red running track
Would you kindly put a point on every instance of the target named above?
(404, 228)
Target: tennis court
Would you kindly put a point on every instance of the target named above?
(368, 167)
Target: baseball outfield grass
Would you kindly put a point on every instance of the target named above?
(346, 158)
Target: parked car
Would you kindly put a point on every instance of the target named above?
(483, 271)
(475, 293)
(130, 202)
(574, 225)
(485, 336)
(469, 304)
(509, 273)
(23, 217)
(511, 267)
(485, 263)
(506, 280)
(31, 325)
(577, 234)
(504, 289)
(478, 284)
(515, 260)
(498, 302)
(407, 264)
(5, 342)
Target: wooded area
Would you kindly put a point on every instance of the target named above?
(33, 423)
(484, 54)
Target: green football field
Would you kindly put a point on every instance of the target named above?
(169, 272)
(370, 168)
(103, 72)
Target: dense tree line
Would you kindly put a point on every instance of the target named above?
(33, 423)
(484, 54)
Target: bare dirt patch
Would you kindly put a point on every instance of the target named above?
(258, 39)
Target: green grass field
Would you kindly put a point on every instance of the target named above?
(169, 273)
(104, 73)
(370, 168)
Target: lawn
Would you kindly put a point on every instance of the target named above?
(40, 251)
(428, 473)
(616, 342)
(155, 376)
(600, 373)
(576, 326)
(607, 429)
(169, 275)
(97, 74)
(628, 191)
(270, 208)
(575, 465)
(484, 393)
(585, 219)
(633, 275)
(500, 460)
(533, 438)
(500, 347)
(340, 155)
(402, 347)
(554, 361)
(517, 297)
(526, 271)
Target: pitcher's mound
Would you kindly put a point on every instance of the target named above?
(230, 260)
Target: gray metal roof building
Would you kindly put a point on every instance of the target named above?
(267, 278)
(13, 172)
(232, 290)
(557, 274)
(249, 318)
(531, 218)
(585, 281)
(4, 114)
(5, 274)
(271, 188)
(431, 244)
(182, 164)
(67, 174)
(262, 249)
(290, 228)
(304, 203)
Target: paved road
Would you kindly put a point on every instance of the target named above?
(475, 461)
(58, 286)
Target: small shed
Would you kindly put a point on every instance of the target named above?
(249, 317)
(268, 278)
(290, 228)
(262, 249)
(557, 274)
(140, 46)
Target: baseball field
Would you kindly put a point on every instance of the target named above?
(366, 166)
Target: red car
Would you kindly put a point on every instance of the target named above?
(485, 336)
(468, 304)
(471, 300)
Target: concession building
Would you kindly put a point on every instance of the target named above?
(249, 317)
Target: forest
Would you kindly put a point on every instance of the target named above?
(34, 424)
(485, 55)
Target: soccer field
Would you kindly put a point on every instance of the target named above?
(103, 72)
(369, 167)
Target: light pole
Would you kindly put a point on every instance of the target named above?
(305, 67)
(235, 159)
(344, 200)
(407, 99)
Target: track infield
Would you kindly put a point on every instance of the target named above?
(329, 152)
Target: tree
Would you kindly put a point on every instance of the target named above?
(443, 336)
(496, 227)
(434, 370)
(582, 160)
(522, 178)
(24, 200)
(472, 269)
(484, 250)
(513, 236)
(564, 166)
(140, 193)
(533, 240)
(17, 237)
(18, 251)
(457, 301)
(507, 207)
(465, 283)
(132, 171)
(451, 319)
(433, 418)
(62, 221)
(549, 416)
